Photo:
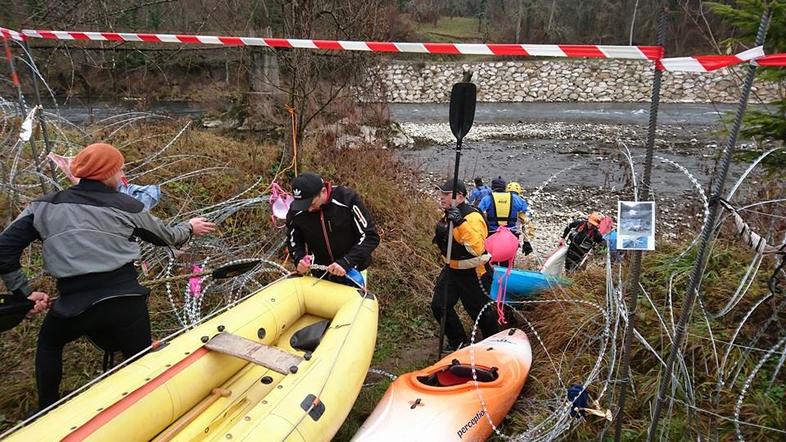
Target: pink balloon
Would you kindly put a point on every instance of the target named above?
(502, 245)
(606, 224)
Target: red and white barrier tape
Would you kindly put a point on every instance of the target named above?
(702, 63)
(12, 35)
(772, 60)
(706, 63)
(534, 50)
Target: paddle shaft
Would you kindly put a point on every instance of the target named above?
(186, 419)
(443, 320)
(203, 273)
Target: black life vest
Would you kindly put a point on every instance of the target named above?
(458, 251)
(502, 203)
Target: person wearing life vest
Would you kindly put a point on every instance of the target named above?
(88, 234)
(523, 223)
(479, 192)
(581, 236)
(333, 224)
(467, 277)
(503, 207)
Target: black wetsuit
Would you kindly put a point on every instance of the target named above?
(582, 237)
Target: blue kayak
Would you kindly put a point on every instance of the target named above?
(523, 283)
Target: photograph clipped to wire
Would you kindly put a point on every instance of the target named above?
(636, 225)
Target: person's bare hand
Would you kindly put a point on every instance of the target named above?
(201, 226)
(336, 269)
(303, 265)
(41, 301)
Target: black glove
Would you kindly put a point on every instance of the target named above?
(454, 215)
(526, 248)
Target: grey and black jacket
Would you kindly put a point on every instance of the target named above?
(89, 236)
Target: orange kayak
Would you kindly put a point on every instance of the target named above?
(443, 402)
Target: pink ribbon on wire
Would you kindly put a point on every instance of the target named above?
(195, 282)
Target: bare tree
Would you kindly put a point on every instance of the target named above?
(315, 80)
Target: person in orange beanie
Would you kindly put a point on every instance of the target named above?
(98, 162)
(89, 234)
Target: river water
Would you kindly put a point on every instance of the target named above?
(620, 113)
(529, 142)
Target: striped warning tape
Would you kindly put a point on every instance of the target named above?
(524, 50)
(706, 63)
(772, 60)
(12, 35)
(702, 63)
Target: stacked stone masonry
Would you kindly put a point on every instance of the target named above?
(559, 81)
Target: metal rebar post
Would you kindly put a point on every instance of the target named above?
(635, 275)
(706, 235)
(41, 117)
(23, 109)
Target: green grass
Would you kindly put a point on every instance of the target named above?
(449, 29)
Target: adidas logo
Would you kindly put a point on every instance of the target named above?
(296, 193)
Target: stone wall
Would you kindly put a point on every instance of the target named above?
(564, 80)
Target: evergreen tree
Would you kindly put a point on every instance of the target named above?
(744, 16)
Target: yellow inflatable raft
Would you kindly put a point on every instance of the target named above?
(235, 376)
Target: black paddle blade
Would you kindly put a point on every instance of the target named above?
(462, 108)
(13, 309)
(234, 269)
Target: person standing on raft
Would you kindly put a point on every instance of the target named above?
(333, 224)
(88, 233)
(468, 274)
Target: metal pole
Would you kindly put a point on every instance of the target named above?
(23, 109)
(706, 234)
(15, 78)
(633, 284)
(41, 117)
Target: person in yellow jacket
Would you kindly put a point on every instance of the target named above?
(467, 277)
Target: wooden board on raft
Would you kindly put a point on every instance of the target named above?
(260, 354)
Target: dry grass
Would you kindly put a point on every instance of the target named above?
(570, 334)
(403, 261)
(405, 266)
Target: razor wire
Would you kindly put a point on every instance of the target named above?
(190, 310)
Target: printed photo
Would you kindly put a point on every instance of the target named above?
(636, 229)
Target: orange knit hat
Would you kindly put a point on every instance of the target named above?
(97, 162)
